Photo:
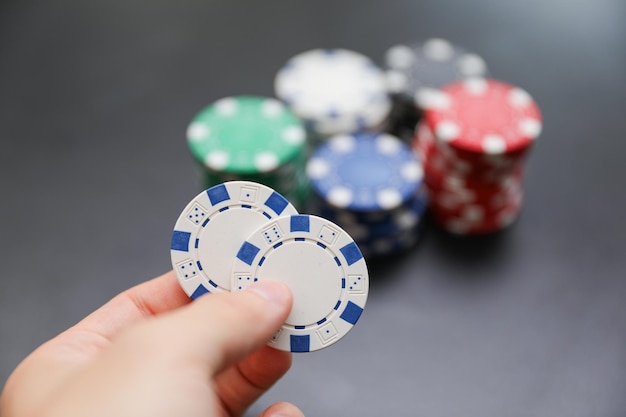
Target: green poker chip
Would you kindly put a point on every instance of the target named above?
(289, 180)
(246, 135)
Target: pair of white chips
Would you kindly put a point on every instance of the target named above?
(240, 232)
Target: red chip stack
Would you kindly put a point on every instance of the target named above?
(473, 141)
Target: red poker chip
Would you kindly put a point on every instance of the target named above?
(471, 225)
(450, 200)
(463, 163)
(439, 181)
(438, 176)
(461, 228)
(475, 210)
(482, 116)
(469, 171)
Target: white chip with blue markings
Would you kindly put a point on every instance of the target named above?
(323, 267)
(209, 232)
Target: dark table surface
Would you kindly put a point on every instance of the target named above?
(95, 97)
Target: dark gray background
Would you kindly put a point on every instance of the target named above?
(95, 97)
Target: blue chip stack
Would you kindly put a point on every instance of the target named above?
(371, 184)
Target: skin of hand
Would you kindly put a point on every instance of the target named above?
(151, 352)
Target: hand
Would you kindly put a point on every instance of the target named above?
(151, 352)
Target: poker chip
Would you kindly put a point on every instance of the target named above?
(367, 225)
(371, 184)
(432, 63)
(392, 244)
(323, 267)
(335, 91)
(210, 229)
(245, 134)
(474, 223)
(250, 138)
(415, 69)
(483, 116)
(460, 164)
(364, 172)
(473, 142)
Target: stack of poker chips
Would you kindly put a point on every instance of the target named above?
(412, 68)
(371, 185)
(335, 91)
(473, 141)
(253, 139)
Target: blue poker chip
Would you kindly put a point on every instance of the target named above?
(394, 244)
(386, 247)
(416, 206)
(323, 267)
(365, 172)
(363, 226)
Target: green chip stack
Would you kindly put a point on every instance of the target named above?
(249, 138)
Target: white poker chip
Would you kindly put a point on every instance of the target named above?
(323, 267)
(212, 226)
(334, 90)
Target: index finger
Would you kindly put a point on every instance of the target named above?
(147, 299)
(62, 355)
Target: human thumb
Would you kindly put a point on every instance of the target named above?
(223, 328)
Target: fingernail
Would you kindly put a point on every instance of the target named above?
(283, 410)
(273, 291)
